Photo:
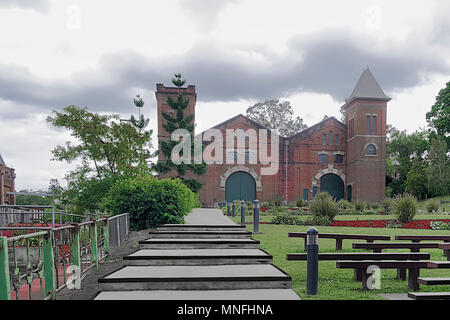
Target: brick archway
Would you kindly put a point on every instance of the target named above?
(330, 169)
(250, 171)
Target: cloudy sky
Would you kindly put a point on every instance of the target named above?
(100, 54)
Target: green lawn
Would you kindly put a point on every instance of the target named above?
(338, 283)
(268, 217)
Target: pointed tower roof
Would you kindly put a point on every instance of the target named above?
(2, 163)
(367, 88)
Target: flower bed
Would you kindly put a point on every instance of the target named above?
(416, 224)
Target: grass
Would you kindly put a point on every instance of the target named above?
(334, 283)
(268, 217)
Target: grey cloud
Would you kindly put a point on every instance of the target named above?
(327, 62)
(204, 13)
(42, 6)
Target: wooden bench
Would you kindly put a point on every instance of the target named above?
(379, 247)
(433, 281)
(446, 247)
(424, 238)
(429, 295)
(339, 237)
(412, 266)
(355, 256)
(439, 264)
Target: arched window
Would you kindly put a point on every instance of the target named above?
(371, 150)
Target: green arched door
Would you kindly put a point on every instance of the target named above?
(332, 184)
(240, 186)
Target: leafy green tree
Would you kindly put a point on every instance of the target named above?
(416, 180)
(402, 150)
(106, 149)
(438, 171)
(439, 117)
(179, 121)
(277, 116)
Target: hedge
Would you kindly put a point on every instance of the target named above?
(151, 202)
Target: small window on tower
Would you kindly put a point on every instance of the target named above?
(371, 150)
(324, 139)
(336, 139)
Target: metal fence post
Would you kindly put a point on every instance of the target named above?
(242, 212)
(256, 216)
(49, 266)
(228, 208)
(5, 284)
(76, 257)
(312, 257)
(234, 209)
(106, 241)
(118, 232)
(53, 217)
(94, 244)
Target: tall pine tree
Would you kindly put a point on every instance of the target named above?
(179, 121)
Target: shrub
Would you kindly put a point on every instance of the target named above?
(324, 205)
(439, 225)
(286, 218)
(368, 205)
(151, 201)
(317, 221)
(344, 204)
(405, 207)
(387, 205)
(433, 205)
(375, 206)
(360, 205)
(301, 203)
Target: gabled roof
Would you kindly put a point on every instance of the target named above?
(310, 130)
(256, 124)
(1, 161)
(367, 88)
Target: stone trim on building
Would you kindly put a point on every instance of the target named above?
(330, 169)
(250, 171)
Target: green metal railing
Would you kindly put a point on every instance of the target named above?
(46, 255)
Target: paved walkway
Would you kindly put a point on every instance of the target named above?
(207, 217)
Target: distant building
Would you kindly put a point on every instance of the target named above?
(7, 177)
(346, 159)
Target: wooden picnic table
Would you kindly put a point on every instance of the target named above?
(339, 237)
(446, 247)
(424, 238)
(379, 247)
(412, 266)
(355, 256)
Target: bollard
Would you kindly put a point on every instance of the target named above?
(228, 208)
(312, 257)
(256, 216)
(234, 209)
(243, 212)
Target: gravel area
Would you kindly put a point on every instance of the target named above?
(89, 284)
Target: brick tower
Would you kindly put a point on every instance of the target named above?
(162, 93)
(365, 117)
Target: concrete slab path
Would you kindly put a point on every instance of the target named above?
(208, 217)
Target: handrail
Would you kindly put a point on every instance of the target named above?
(78, 245)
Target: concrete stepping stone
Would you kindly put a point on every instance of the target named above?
(199, 244)
(200, 227)
(146, 257)
(215, 277)
(200, 234)
(249, 294)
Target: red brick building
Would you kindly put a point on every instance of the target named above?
(346, 159)
(7, 176)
